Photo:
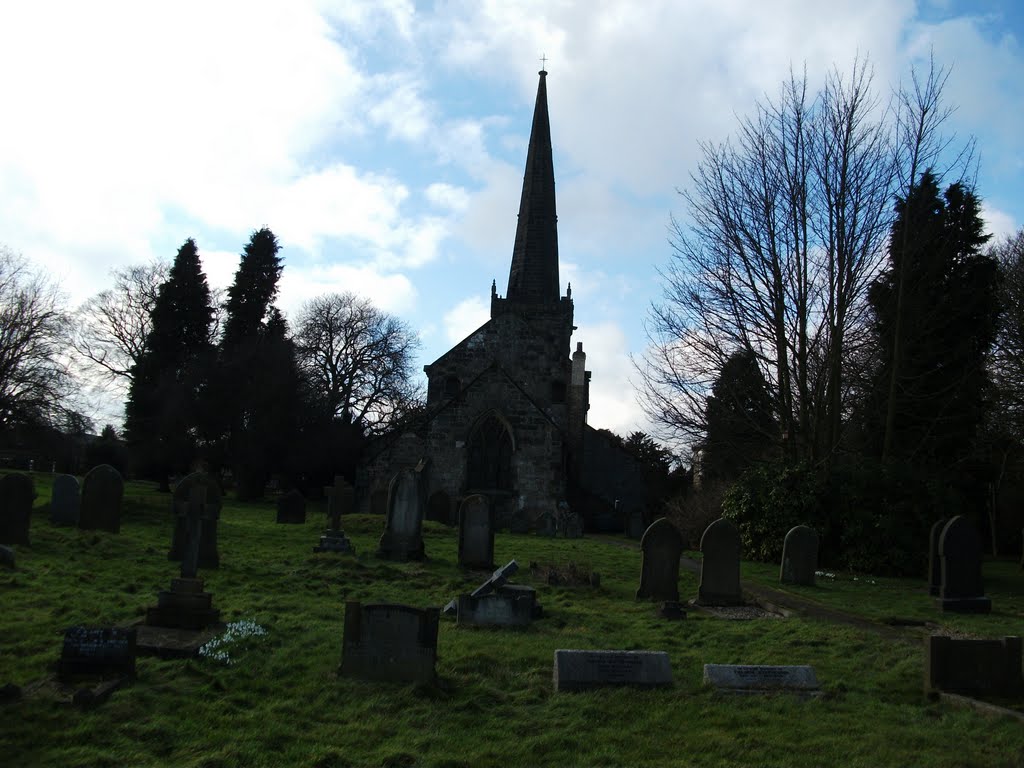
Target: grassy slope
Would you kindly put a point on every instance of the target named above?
(282, 703)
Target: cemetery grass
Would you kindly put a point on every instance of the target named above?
(280, 702)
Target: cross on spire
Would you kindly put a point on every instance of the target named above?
(543, 61)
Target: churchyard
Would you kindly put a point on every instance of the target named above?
(267, 691)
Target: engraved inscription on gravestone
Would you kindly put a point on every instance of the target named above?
(577, 670)
(97, 651)
(760, 678)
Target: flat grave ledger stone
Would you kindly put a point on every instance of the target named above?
(393, 643)
(97, 651)
(960, 551)
(580, 670)
(209, 556)
(17, 492)
(65, 501)
(291, 508)
(934, 561)
(799, 556)
(476, 532)
(497, 579)
(988, 667)
(402, 538)
(100, 507)
(661, 548)
(720, 566)
(511, 605)
(761, 678)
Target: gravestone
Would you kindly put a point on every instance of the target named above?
(17, 492)
(402, 538)
(476, 532)
(497, 580)
(799, 556)
(988, 667)
(661, 547)
(576, 670)
(340, 501)
(97, 651)
(962, 589)
(720, 566)
(934, 561)
(635, 524)
(186, 605)
(511, 605)
(209, 557)
(395, 643)
(65, 501)
(546, 523)
(761, 678)
(102, 491)
(291, 508)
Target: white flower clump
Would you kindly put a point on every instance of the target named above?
(235, 632)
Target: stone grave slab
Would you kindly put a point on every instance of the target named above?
(392, 643)
(799, 556)
(934, 561)
(761, 678)
(496, 580)
(476, 532)
(173, 642)
(209, 556)
(579, 670)
(402, 538)
(720, 566)
(97, 651)
(960, 552)
(973, 666)
(509, 606)
(100, 506)
(17, 492)
(65, 501)
(291, 508)
(661, 547)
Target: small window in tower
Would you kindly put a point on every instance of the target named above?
(557, 392)
(452, 386)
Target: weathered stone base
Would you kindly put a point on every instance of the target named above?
(335, 541)
(184, 606)
(172, 643)
(711, 599)
(82, 695)
(400, 548)
(965, 605)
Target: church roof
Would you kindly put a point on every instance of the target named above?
(533, 277)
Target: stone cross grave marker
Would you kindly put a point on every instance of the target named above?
(962, 589)
(934, 561)
(799, 556)
(720, 566)
(209, 557)
(340, 501)
(476, 532)
(396, 643)
(194, 513)
(64, 501)
(291, 508)
(102, 492)
(17, 492)
(579, 670)
(661, 547)
(402, 538)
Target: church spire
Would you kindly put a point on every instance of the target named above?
(533, 278)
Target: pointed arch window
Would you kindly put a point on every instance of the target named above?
(489, 455)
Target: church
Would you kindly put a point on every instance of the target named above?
(506, 410)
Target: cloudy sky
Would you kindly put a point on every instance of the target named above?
(384, 141)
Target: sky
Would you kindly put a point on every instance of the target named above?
(384, 141)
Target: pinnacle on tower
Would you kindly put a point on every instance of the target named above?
(533, 277)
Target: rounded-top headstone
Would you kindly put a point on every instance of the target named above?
(960, 550)
(102, 491)
(934, 561)
(476, 532)
(799, 556)
(17, 492)
(209, 557)
(661, 547)
(65, 500)
(720, 566)
(402, 538)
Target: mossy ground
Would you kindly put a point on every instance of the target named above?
(281, 702)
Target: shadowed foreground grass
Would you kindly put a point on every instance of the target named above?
(280, 703)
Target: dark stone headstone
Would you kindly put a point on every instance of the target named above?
(97, 651)
(102, 491)
(64, 501)
(395, 643)
(340, 501)
(659, 566)
(291, 508)
(962, 589)
(799, 556)
(476, 532)
(720, 566)
(934, 561)
(402, 538)
(582, 670)
(195, 514)
(635, 524)
(17, 492)
(989, 667)
(209, 557)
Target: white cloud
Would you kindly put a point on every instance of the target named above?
(613, 402)
(448, 196)
(998, 223)
(464, 318)
(393, 293)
